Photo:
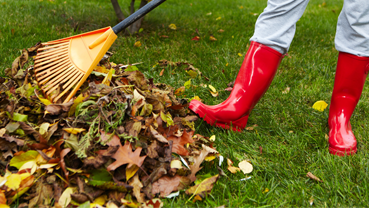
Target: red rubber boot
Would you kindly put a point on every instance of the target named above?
(253, 79)
(348, 84)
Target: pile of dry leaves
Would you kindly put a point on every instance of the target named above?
(122, 140)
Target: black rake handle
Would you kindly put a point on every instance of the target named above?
(136, 16)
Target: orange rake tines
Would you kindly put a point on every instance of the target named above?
(63, 65)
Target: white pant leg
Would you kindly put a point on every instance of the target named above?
(276, 26)
(352, 34)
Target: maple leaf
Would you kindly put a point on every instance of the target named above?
(124, 155)
(178, 142)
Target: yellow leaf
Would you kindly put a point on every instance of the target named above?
(129, 203)
(241, 7)
(180, 91)
(245, 166)
(210, 158)
(4, 206)
(218, 18)
(137, 44)
(100, 200)
(226, 64)
(212, 38)
(130, 172)
(231, 168)
(77, 101)
(172, 26)
(320, 105)
(108, 77)
(265, 191)
(196, 98)
(43, 100)
(239, 54)
(187, 84)
(212, 138)
(192, 73)
(212, 88)
(74, 130)
(101, 69)
(111, 204)
(13, 181)
(197, 198)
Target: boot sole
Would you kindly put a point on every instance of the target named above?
(237, 125)
(341, 153)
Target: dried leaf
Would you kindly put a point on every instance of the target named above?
(179, 142)
(205, 186)
(65, 198)
(124, 155)
(245, 166)
(196, 38)
(137, 185)
(131, 171)
(74, 130)
(157, 135)
(312, 176)
(195, 167)
(166, 185)
(231, 168)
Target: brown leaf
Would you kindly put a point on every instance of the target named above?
(8, 138)
(44, 194)
(166, 185)
(81, 197)
(29, 130)
(229, 89)
(124, 155)
(101, 159)
(178, 142)
(161, 72)
(63, 153)
(312, 176)
(195, 167)
(151, 150)
(57, 109)
(136, 128)
(157, 135)
(113, 140)
(137, 185)
(2, 197)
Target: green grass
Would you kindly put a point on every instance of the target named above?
(290, 132)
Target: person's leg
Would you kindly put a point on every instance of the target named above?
(352, 42)
(276, 26)
(274, 31)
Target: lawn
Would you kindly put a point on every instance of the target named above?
(290, 138)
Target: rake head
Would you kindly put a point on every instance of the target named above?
(61, 66)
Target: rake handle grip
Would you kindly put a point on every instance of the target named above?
(136, 16)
